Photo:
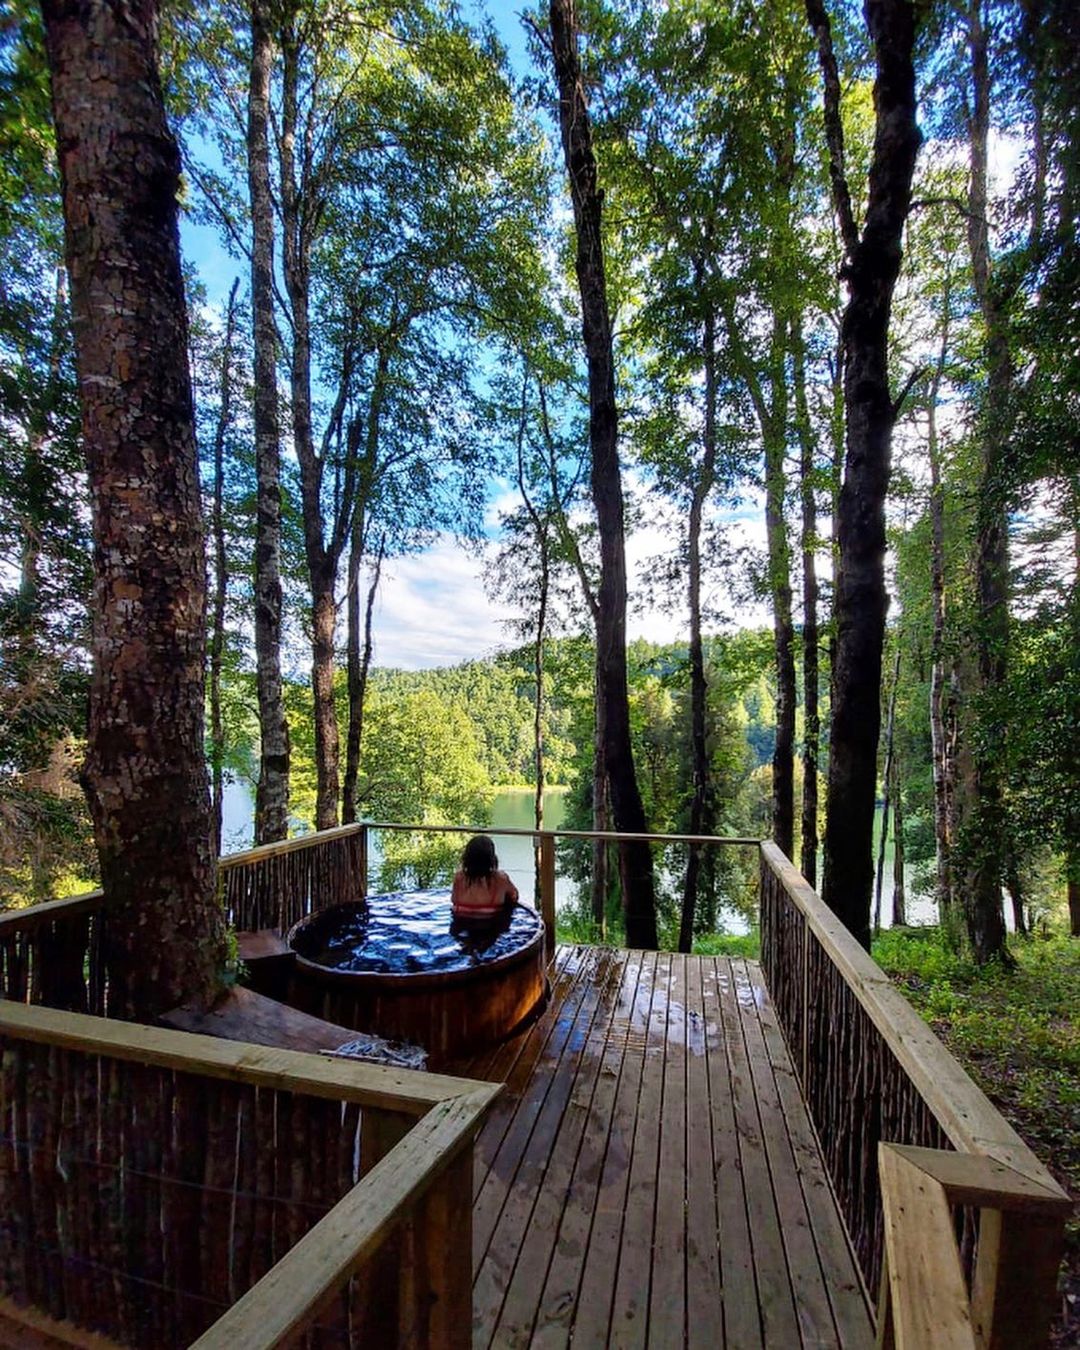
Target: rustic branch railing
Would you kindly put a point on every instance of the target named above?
(55, 953)
(276, 885)
(150, 1179)
(872, 1071)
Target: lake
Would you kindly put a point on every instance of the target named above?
(512, 808)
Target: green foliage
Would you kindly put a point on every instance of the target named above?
(44, 552)
(1017, 1032)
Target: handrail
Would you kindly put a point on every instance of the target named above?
(924, 1295)
(34, 916)
(372, 1085)
(352, 1232)
(610, 836)
(969, 1119)
(293, 845)
(409, 1134)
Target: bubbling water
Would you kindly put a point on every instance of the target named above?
(411, 932)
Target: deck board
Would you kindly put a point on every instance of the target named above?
(649, 1177)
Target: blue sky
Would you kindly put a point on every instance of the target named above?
(432, 606)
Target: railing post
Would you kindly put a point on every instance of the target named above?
(363, 860)
(1015, 1284)
(440, 1277)
(547, 887)
(805, 1010)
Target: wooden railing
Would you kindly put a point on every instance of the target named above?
(545, 841)
(276, 885)
(926, 1297)
(160, 1188)
(55, 953)
(873, 1072)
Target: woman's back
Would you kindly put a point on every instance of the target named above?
(482, 897)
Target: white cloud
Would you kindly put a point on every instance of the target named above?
(432, 609)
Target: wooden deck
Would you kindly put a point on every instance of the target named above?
(649, 1176)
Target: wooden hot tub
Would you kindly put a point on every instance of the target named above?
(397, 965)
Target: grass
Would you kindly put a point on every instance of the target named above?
(1017, 1032)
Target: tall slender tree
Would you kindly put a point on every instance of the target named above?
(871, 267)
(272, 793)
(145, 770)
(983, 821)
(613, 710)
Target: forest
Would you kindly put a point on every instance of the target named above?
(613, 267)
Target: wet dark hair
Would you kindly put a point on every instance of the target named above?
(478, 858)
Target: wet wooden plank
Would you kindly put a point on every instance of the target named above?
(503, 1173)
(667, 1291)
(704, 1308)
(851, 1311)
(804, 1273)
(775, 1302)
(535, 1249)
(542, 1039)
(742, 1317)
(558, 1303)
(601, 1260)
(653, 1144)
(537, 1121)
(629, 1311)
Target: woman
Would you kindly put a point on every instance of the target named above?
(481, 892)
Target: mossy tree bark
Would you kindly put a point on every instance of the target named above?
(145, 772)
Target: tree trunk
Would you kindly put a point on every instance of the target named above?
(701, 802)
(887, 779)
(272, 793)
(775, 435)
(359, 665)
(871, 270)
(601, 820)
(941, 710)
(635, 858)
(541, 525)
(1073, 882)
(221, 572)
(538, 709)
(899, 904)
(322, 563)
(983, 809)
(808, 544)
(145, 772)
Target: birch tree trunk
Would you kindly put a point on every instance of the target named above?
(272, 793)
(635, 858)
(145, 771)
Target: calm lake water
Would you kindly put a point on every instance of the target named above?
(512, 808)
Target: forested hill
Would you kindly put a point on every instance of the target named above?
(496, 695)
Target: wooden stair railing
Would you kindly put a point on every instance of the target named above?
(924, 1296)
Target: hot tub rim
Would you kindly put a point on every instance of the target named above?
(411, 980)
